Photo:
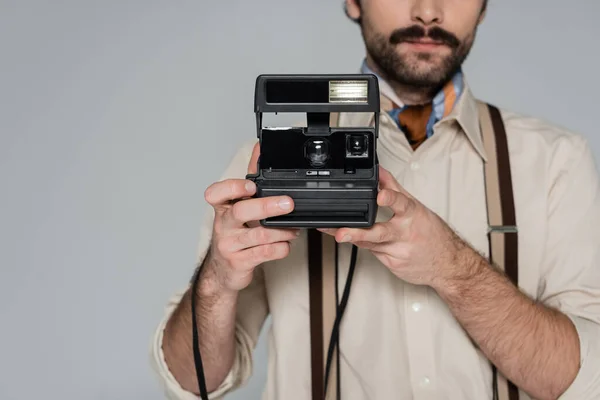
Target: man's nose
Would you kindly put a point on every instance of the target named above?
(427, 12)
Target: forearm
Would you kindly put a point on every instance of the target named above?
(535, 347)
(215, 311)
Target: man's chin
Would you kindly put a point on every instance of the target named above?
(424, 61)
(421, 75)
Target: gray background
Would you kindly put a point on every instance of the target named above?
(116, 115)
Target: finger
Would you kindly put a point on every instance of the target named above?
(328, 231)
(367, 245)
(253, 164)
(257, 237)
(220, 193)
(379, 233)
(400, 204)
(250, 258)
(391, 249)
(257, 209)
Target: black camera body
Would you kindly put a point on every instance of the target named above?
(331, 173)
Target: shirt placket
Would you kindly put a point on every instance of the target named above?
(417, 306)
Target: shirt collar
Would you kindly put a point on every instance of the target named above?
(466, 114)
(384, 88)
(465, 111)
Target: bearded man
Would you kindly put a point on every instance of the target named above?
(431, 315)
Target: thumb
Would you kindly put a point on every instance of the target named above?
(253, 164)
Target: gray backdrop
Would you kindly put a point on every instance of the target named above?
(116, 115)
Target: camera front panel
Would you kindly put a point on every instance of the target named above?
(346, 153)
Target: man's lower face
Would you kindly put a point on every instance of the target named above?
(418, 64)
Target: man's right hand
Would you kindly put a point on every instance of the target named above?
(239, 243)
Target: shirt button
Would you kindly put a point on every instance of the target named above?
(414, 166)
(416, 307)
(425, 381)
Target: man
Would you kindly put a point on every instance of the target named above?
(428, 314)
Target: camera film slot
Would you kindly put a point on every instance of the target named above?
(354, 91)
(318, 173)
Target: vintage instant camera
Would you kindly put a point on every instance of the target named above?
(331, 173)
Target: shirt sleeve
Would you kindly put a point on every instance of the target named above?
(251, 312)
(570, 276)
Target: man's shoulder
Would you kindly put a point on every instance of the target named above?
(535, 133)
(238, 163)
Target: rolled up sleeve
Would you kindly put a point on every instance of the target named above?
(239, 373)
(251, 312)
(587, 383)
(570, 276)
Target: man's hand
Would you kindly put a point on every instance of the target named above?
(535, 347)
(239, 243)
(415, 244)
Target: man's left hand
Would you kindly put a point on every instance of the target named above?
(415, 244)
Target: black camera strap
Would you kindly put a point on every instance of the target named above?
(323, 272)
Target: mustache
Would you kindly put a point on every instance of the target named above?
(416, 32)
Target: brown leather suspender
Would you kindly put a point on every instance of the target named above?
(315, 274)
(503, 252)
(502, 233)
(323, 304)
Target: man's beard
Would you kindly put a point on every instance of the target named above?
(402, 70)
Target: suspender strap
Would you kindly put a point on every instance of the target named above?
(315, 276)
(323, 303)
(330, 305)
(503, 243)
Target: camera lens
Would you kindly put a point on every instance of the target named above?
(356, 145)
(316, 152)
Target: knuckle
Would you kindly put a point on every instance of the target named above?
(261, 235)
(402, 205)
(232, 186)
(237, 211)
(268, 251)
(266, 206)
(256, 255)
(404, 253)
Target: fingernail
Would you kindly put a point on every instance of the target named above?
(345, 239)
(250, 186)
(284, 204)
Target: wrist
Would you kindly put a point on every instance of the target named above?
(464, 269)
(209, 284)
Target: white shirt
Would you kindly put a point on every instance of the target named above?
(399, 341)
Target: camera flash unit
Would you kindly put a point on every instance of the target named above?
(348, 91)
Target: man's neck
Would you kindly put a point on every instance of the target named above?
(408, 94)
